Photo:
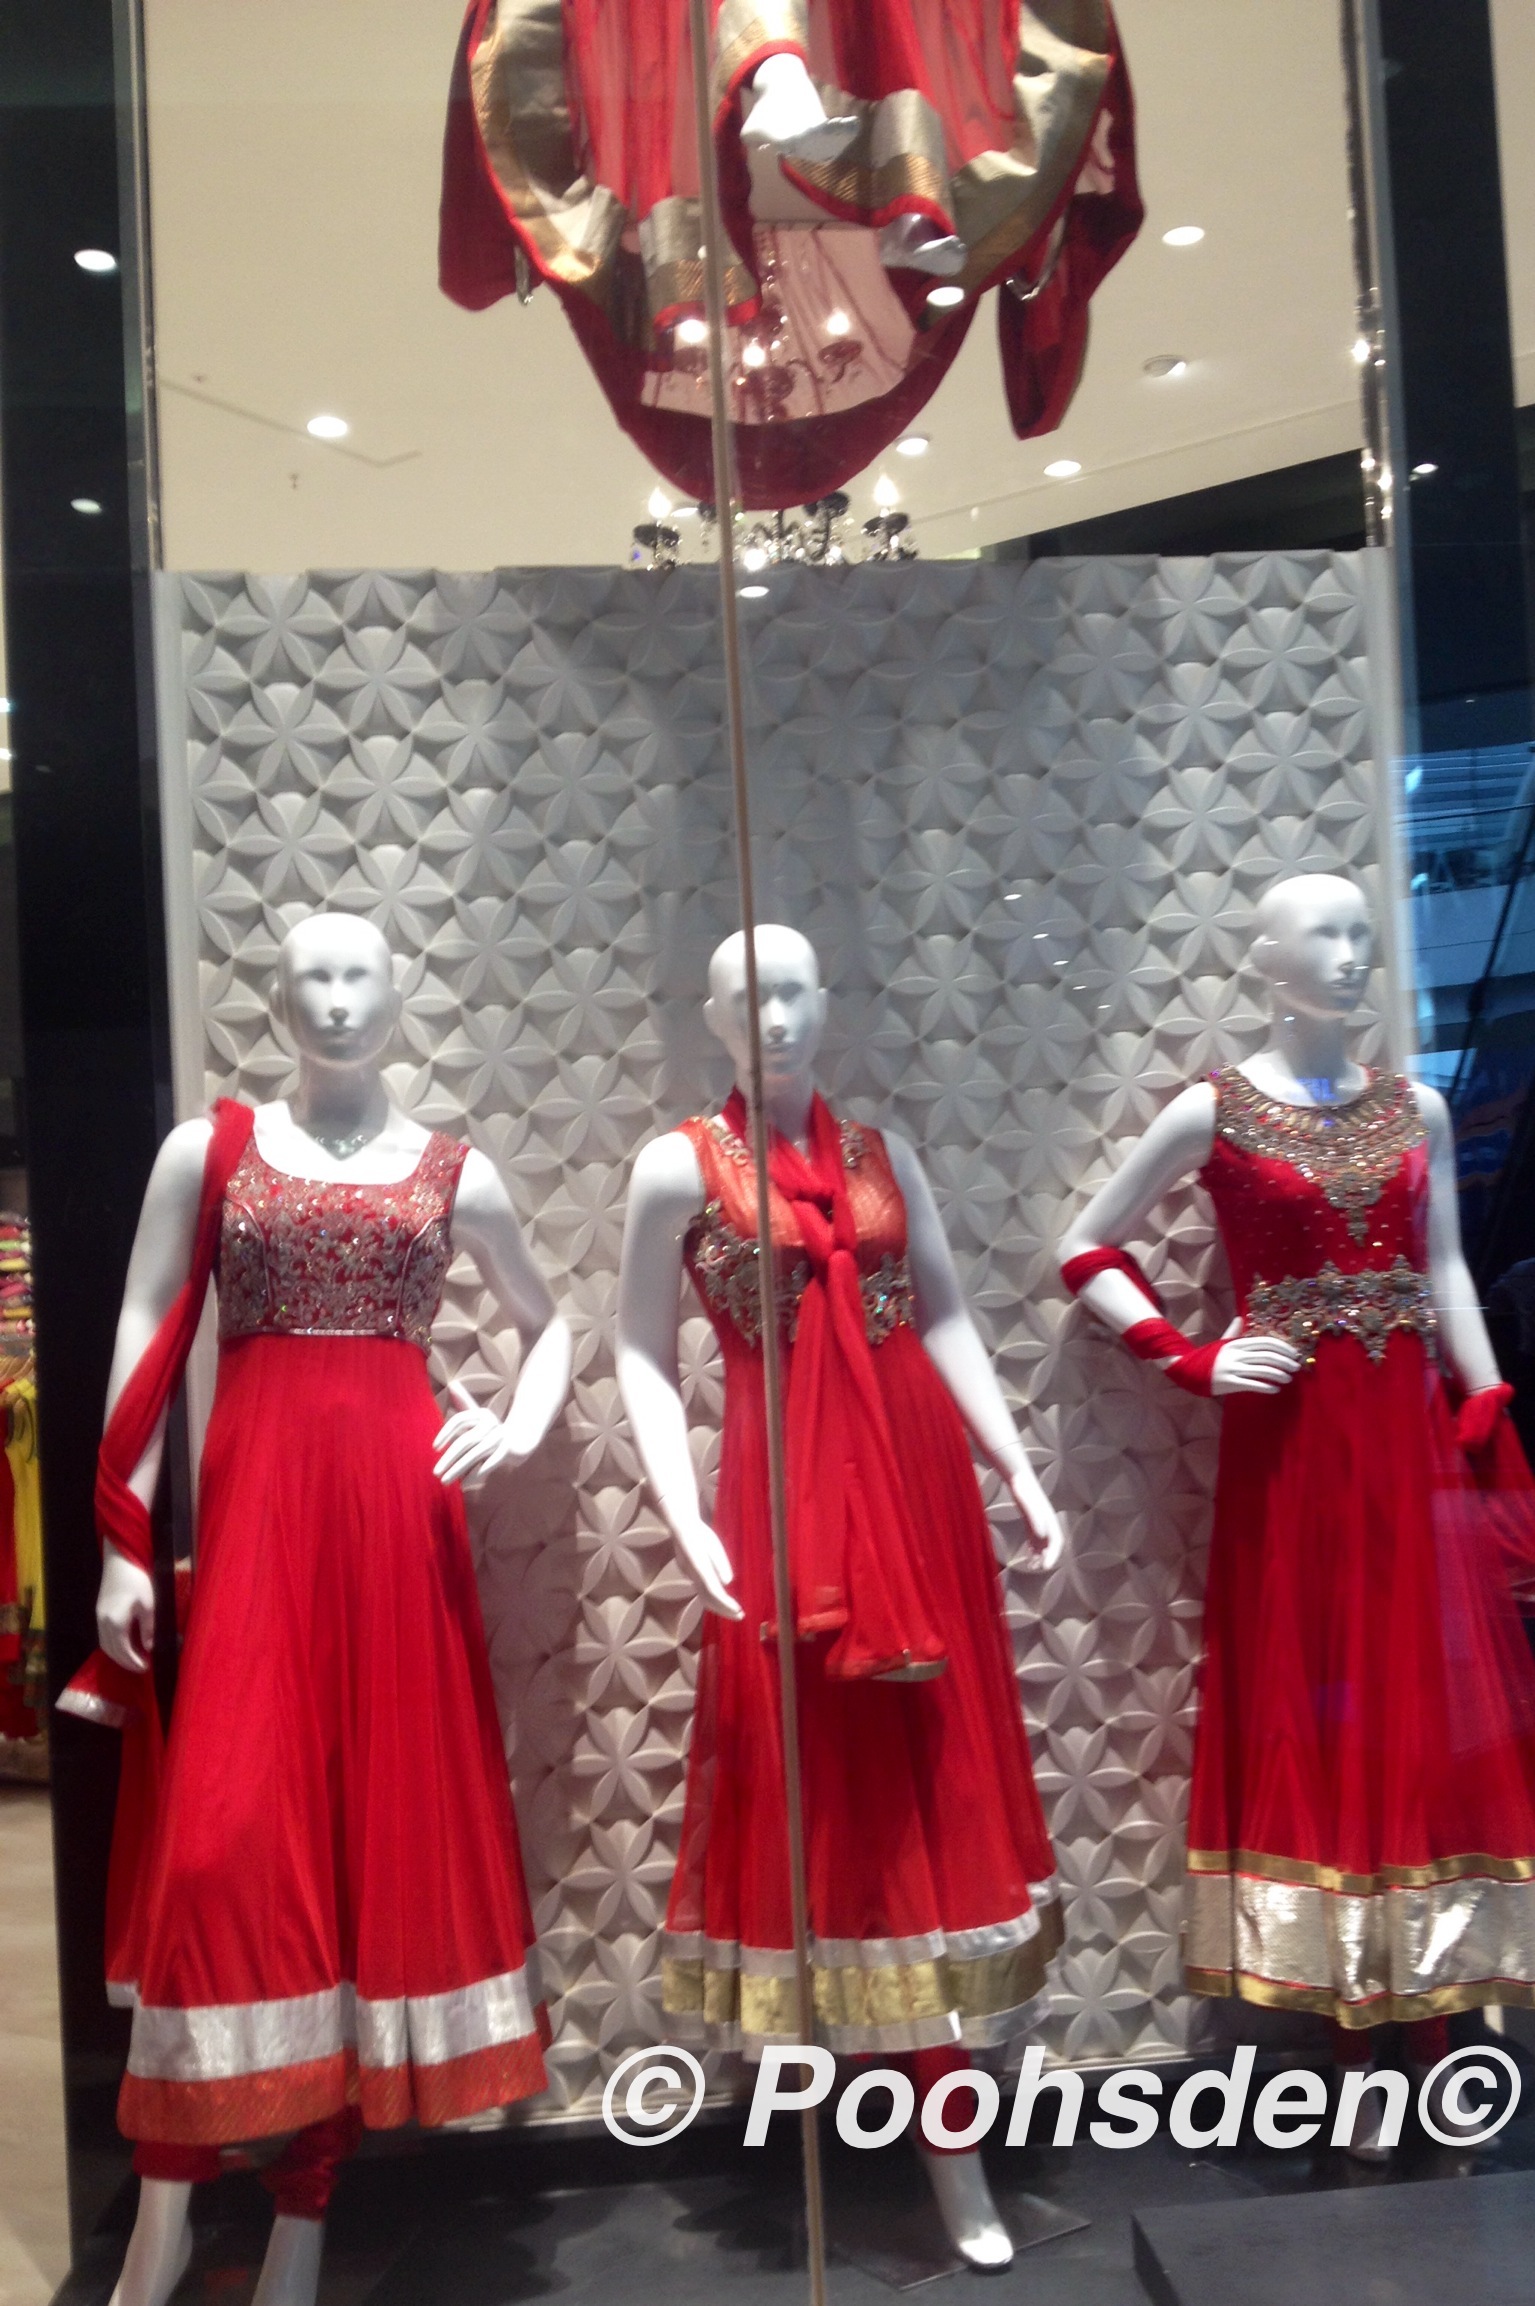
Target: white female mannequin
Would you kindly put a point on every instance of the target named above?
(1312, 945)
(1313, 1708)
(666, 1199)
(334, 995)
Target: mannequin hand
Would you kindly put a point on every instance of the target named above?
(1042, 1524)
(473, 1441)
(1255, 1365)
(125, 1611)
(709, 1565)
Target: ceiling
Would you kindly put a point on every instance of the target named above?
(294, 156)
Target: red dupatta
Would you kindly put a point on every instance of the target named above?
(855, 1561)
(103, 1691)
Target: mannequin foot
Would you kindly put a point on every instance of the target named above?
(290, 2271)
(788, 116)
(1363, 2143)
(160, 2246)
(913, 244)
(968, 2212)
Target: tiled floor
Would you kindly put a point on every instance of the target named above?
(34, 2244)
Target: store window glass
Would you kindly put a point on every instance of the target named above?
(882, 684)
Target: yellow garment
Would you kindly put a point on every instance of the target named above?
(19, 1401)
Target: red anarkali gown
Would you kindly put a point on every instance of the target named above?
(1362, 1820)
(332, 1911)
(571, 158)
(933, 1903)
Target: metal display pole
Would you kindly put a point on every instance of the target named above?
(714, 255)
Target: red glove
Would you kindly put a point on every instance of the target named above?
(1190, 1366)
(1479, 1415)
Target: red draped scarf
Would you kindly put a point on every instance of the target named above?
(102, 1690)
(855, 1561)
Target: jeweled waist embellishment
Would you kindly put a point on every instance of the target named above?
(725, 1265)
(1372, 1307)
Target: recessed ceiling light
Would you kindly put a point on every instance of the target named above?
(1064, 468)
(658, 504)
(684, 512)
(5, 704)
(1361, 350)
(1424, 471)
(95, 260)
(692, 331)
(1184, 236)
(915, 444)
(886, 494)
(1165, 364)
(837, 323)
(754, 355)
(945, 297)
(754, 557)
(83, 504)
(754, 592)
(328, 427)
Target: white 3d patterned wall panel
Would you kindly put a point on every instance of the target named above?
(1024, 814)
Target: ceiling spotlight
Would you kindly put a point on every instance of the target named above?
(946, 296)
(837, 323)
(327, 427)
(658, 504)
(83, 504)
(915, 444)
(1361, 350)
(1424, 471)
(95, 260)
(1184, 236)
(754, 355)
(1165, 364)
(754, 557)
(1064, 468)
(886, 494)
(754, 592)
(692, 331)
(5, 704)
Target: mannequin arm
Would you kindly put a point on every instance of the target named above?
(954, 1346)
(666, 1193)
(474, 1439)
(1462, 1331)
(157, 1270)
(1175, 1146)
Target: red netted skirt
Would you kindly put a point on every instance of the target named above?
(333, 1908)
(1362, 1822)
(933, 1902)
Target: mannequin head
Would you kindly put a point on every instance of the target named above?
(1313, 944)
(335, 993)
(792, 1004)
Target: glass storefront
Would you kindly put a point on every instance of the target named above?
(943, 673)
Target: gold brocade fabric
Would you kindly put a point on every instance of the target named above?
(1408, 1943)
(1349, 1152)
(875, 1995)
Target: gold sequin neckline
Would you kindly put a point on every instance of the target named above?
(1349, 1152)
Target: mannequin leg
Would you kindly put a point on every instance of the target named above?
(788, 114)
(160, 2245)
(1352, 2051)
(301, 2182)
(958, 2176)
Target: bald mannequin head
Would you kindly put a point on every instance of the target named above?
(791, 1002)
(1313, 942)
(335, 991)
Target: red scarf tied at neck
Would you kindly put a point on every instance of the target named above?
(854, 1558)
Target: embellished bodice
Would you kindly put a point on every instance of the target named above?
(314, 1257)
(721, 1246)
(1323, 1210)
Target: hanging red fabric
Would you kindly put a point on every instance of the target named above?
(854, 1553)
(103, 1691)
